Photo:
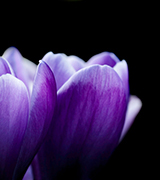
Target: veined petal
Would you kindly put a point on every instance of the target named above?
(42, 107)
(60, 67)
(76, 62)
(104, 58)
(133, 109)
(87, 125)
(5, 67)
(122, 69)
(14, 110)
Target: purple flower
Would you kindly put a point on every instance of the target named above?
(24, 119)
(82, 126)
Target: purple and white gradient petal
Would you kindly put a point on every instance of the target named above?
(133, 109)
(83, 127)
(62, 115)
(42, 105)
(14, 110)
(24, 120)
(76, 62)
(104, 58)
(22, 68)
(60, 67)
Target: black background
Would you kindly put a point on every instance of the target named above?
(86, 29)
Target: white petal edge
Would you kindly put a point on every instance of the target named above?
(122, 70)
(133, 109)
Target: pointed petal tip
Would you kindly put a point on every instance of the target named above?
(5, 67)
(43, 63)
(42, 105)
(60, 67)
(14, 57)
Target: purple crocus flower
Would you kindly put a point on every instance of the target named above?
(24, 119)
(82, 126)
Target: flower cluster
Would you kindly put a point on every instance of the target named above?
(61, 115)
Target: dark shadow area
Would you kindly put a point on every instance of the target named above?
(70, 172)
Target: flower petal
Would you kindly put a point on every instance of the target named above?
(90, 114)
(13, 56)
(28, 175)
(23, 69)
(5, 67)
(60, 67)
(14, 110)
(133, 109)
(76, 62)
(122, 69)
(29, 72)
(15, 59)
(30, 68)
(104, 58)
(42, 107)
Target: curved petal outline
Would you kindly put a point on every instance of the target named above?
(14, 111)
(60, 67)
(42, 105)
(122, 70)
(29, 72)
(5, 67)
(76, 62)
(104, 58)
(14, 57)
(28, 175)
(82, 130)
(133, 109)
